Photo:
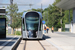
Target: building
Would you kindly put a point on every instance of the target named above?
(66, 5)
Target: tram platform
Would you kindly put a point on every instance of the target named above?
(8, 42)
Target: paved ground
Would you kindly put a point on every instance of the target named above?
(35, 45)
(62, 40)
(53, 41)
(7, 43)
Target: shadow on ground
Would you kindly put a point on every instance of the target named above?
(2, 41)
(44, 38)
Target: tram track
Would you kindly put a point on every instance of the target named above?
(25, 45)
(42, 45)
(37, 43)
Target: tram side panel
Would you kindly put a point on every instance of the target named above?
(40, 35)
(23, 29)
(40, 29)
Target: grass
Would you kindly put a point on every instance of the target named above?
(16, 33)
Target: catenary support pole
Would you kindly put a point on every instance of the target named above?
(69, 15)
(11, 3)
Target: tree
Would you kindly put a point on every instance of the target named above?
(4, 16)
(55, 15)
(16, 17)
(38, 10)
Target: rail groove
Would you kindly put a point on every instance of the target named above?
(25, 45)
(38, 42)
(42, 45)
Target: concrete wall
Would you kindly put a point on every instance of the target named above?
(59, 29)
(19, 29)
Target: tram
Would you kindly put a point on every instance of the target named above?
(32, 25)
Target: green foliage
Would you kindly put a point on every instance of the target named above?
(16, 17)
(18, 32)
(39, 10)
(16, 21)
(3, 16)
(53, 16)
(66, 16)
(56, 1)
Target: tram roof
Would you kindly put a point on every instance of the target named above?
(66, 4)
(31, 11)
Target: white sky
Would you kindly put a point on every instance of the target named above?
(36, 3)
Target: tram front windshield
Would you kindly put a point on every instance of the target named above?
(32, 21)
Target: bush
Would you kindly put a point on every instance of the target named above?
(18, 32)
(55, 29)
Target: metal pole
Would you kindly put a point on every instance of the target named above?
(61, 20)
(41, 8)
(47, 18)
(30, 5)
(69, 15)
(11, 3)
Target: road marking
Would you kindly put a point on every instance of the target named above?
(54, 45)
(16, 43)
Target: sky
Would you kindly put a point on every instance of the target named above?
(36, 3)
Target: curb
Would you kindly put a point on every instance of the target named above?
(16, 44)
(3, 45)
(54, 45)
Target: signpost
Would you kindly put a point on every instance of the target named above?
(43, 22)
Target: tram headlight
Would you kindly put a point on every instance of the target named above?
(36, 31)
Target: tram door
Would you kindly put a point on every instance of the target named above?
(32, 23)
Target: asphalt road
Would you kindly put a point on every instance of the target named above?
(63, 40)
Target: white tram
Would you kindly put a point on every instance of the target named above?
(32, 25)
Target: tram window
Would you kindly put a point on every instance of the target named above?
(23, 25)
(32, 21)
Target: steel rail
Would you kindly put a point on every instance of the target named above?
(42, 45)
(25, 45)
